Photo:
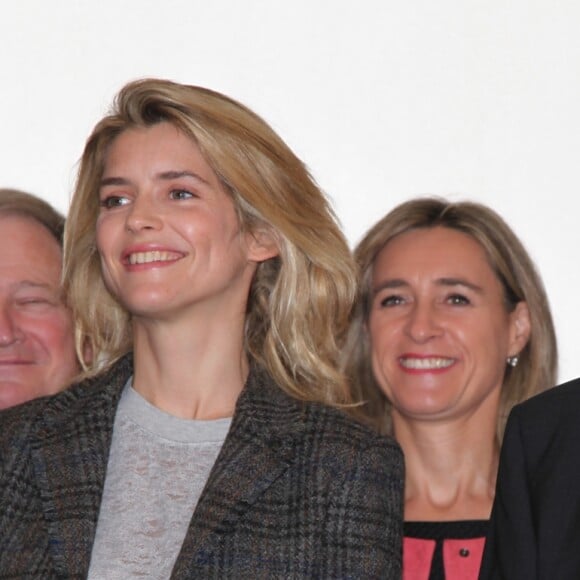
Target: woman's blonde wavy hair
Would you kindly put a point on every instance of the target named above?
(515, 270)
(299, 302)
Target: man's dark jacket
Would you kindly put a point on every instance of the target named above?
(535, 524)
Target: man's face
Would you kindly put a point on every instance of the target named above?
(37, 355)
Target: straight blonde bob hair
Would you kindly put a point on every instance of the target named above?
(299, 302)
(515, 270)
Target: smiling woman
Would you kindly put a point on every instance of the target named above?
(168, 233)
(452, 328)
(210, 281)
(439, 327)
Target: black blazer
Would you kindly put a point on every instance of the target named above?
(535, 524)
(298, 490)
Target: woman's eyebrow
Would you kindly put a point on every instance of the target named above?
(177, 174)
(164, 175)
(459, 282)
(389, 283)
(114, 181)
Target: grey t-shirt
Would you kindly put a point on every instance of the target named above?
(158, 466)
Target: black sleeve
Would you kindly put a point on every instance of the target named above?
(511, 550)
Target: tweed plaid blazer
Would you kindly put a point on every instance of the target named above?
(298, 490)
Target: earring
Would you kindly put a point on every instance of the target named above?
(512, 361)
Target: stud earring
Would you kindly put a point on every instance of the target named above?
(512, 361)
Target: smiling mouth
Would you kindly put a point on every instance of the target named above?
(16, 362)
(429, 363)
(154, 256)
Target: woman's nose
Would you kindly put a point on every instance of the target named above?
(143, 215)
(423, 323)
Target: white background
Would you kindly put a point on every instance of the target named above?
(384, 100)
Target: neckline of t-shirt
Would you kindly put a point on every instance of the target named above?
(152, 419)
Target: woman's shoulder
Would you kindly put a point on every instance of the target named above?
(17, 423)
(18, 428)
(270, 403)
(320, 431)
(339, 424)
(354, 445)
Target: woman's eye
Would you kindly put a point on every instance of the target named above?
(180, 194)
(391, 301)
(114, 201)
(458, 300)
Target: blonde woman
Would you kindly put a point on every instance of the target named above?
(451, 330)
(212, 285)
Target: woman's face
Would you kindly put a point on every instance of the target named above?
(167, 233)
(439, 328)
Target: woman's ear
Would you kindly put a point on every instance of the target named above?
(262, 245)
(520, 328)
(86, 353)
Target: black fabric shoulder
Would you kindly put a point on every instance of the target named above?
(561, 395)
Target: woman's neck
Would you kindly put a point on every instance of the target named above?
(193, 371)
(450, 467)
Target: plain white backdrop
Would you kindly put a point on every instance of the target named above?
(383, 99)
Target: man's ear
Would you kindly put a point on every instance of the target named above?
(262, 245)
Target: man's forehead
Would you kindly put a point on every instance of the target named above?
(29, 253)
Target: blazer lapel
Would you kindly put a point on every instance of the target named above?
(258, 449)
(70, 451)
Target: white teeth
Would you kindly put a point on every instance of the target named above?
(155, 256)
(426, 363)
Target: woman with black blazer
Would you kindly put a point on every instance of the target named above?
(211, 288)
